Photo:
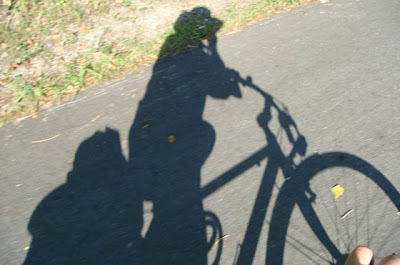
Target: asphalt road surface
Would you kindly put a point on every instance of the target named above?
(223, 155)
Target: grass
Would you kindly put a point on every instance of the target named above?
(30, 83)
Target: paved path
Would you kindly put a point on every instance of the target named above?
(193, 149)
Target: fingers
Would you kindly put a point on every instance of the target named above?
(390, 260)
(361, 256)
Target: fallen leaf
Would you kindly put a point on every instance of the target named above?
(171, 138)
(34, 116)
(58, 48)
(55, 37)
(337, 190)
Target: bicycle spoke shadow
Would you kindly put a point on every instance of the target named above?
(333, 234)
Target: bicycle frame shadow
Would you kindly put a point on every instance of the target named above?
(296, 188)
(276, 160)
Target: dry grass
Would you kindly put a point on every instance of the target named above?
(51, 50)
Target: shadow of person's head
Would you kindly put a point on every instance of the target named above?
(198, 22)
(191, 28)
(202, 68)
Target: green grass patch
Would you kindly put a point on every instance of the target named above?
(38, 33)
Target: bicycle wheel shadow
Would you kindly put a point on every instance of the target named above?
(328, 235)
(296, 190)
(97, 216)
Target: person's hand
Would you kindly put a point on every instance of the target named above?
(364, 256)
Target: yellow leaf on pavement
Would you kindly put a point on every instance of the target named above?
(171, 139)
(337, 191)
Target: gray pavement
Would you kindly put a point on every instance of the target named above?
(74, 192)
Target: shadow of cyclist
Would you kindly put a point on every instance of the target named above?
(96, 217)
(170, 141)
